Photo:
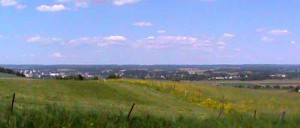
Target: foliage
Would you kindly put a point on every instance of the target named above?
(80, 77)
(9, 71)
(113, 77)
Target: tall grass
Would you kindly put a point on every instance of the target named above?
(86, 104)
(60, 117)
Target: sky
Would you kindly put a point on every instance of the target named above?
(149, 32)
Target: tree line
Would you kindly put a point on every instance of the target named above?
(10, 71)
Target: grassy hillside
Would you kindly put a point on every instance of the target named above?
(5, 75)
(47, 103)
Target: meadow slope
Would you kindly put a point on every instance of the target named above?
(5, 75)
(51, 103)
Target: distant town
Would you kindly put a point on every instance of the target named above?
(159, 72)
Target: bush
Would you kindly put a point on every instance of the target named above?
(80, 77)
(10, 71)
(113, 77)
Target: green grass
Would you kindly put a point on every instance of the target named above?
(50, 103)
(263, 100)
(5, 75)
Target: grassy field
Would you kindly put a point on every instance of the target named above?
(69, 104)
(4, 75)
(283, 81)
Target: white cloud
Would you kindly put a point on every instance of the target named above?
(12, 3)
(56, 55)
(34, 39)
(51, 8)
(115, 38)
(181, 38)
(143, 24)
(279, 32)
(205, 43)
(268, 35)
(124, 2)
(265, 38)
(43, 40)
(20, 6)
(87, 3)
(221, 43)
(79, 3)
(82, 4)
(83, 40)
(293, 42)
(98, 41)
(8, 2)
(162, 42)
(161, 31)
(228, 35)
(151, 38)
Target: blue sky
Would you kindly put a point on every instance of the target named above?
(149, 32)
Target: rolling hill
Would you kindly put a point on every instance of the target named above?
(53, 103)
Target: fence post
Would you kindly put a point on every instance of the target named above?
(255, 114)
(221, 111)
(282, 116)
(185, 93)
(128, 116)
(12, 103)
(222, 108)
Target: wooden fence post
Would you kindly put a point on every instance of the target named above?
(128, 116)
(221, 112)
(255, 114)
(12, 103)
(223, 107)
(282, 116)
(185, 93)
